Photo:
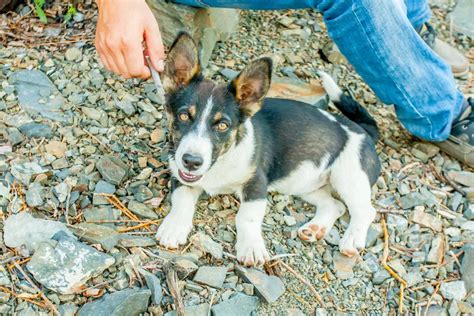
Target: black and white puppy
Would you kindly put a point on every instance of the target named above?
(227, 138)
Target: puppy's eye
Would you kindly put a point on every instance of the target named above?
(222, 126)
(183, 117)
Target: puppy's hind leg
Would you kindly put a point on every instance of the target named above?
(328, 210)
(355, 191)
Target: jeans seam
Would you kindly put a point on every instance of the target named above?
(390, 73)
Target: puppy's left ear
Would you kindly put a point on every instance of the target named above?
(251, 85)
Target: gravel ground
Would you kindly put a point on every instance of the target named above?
(71, 144)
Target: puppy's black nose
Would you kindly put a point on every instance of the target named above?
(192, 162)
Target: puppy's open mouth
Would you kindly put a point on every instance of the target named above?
(188, 177)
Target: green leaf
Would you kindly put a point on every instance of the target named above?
(39, 10)
(70, 13)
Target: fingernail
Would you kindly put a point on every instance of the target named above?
(161, 65)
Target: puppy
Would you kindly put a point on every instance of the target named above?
(229, 139)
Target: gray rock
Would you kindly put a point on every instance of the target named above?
(462, 17)
(73, 54)
(427, 220)
(38, 95)
(267, 287)
(36, 130)
(112, 169)
(97, 234)
(34, 195)
(454, 290)
(64, 266)
(61, 190)
(126, 106)
(463, 177)
(14, 136)
(128, 241)
(375, 232)
(455, 201)
(467, 267)
(239, 305)
(205, 244)
(185, 267)
(343, 265)
(101, 213)
(212, 276)
(104, 187)
(433, 310)
(398, 222)
(436, 251)
(229, 73)
(4, 277)
(428, 149)
(95, 114)
(194, 310)
(142, 210)
(25, 171)
(380, 276)
(129, 302)
(154, 284)
(411, 200)
(333, 237)
(68, 309)
(469, 212)
(23, 229)
(142, 193)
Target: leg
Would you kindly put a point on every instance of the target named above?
(250, 246)
(382, 45)
(328, 210)
(418, 12)
(354, 188)
(176, 226)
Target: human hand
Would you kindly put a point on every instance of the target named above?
(122, 27)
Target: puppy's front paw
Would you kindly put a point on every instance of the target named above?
(173, 232)
(251, 250)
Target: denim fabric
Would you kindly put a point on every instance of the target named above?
(378, 38)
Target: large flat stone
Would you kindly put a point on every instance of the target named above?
(239, 305)
(129, 302)
(37, 95)
(66, 264)
(268, 287)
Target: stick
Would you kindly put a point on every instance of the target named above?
(403, 283)
(172, 281)
(47, 301)
(306, 282)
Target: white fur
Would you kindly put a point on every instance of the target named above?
(231, 170)
(353, 186)
(330, 86)
(177, 225)
(250, 246)
(197, 143)
(306, 178)
(328, 115)
(328, 210)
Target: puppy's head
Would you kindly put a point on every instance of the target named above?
(206, 118)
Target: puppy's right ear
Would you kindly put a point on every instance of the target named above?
(182, 63)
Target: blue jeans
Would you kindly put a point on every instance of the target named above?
(378, 38)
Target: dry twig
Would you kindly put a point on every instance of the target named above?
(306, 282)
(46, 300)
(173, 286)
(403, 283)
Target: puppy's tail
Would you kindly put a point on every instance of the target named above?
(349, 107)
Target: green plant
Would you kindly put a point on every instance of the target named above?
(71, 11)
(39, 10)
